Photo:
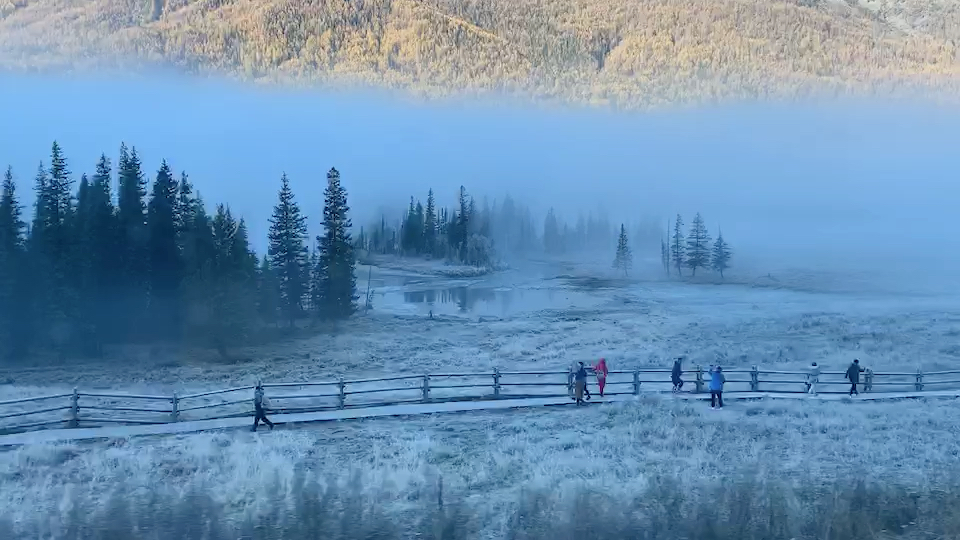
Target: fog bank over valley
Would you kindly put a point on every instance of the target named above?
(853, 184)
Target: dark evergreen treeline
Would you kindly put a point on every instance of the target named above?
(465, 233)
(148, 262)
(475, 235)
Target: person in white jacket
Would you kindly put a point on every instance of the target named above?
(813, 377)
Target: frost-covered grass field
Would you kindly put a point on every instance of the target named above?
(493, 463)
(487, 461)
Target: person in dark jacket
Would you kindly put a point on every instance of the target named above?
(675, 375)
(259, 405)
(580, 383)
(717, 381)
(853, 375)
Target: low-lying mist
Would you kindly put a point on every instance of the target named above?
(847, 184)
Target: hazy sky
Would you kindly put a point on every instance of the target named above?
(777, 176)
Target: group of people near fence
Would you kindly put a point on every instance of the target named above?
(580, 391)
(852, 375)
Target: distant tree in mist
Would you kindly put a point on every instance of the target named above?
(677, 247)
(698, 245)
(720, 256)
(287, 251)
(665, 256)
(430, 225)
(623, 260)
(552, 243)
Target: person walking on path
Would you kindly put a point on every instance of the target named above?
(580, 383)
(675, 375)
(601, 370)
(853, 375)
(716, 388)
(260, 403)
(813, 377)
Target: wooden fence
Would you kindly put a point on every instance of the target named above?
(92, 409)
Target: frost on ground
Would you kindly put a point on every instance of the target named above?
(541, 317)
(486, 460)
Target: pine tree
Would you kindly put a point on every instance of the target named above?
(339, 287)
(13, 309)
(99, 243)
(430, 225)
(164, 252)
(132, 247)
(624, 258)
(677, 247)
(698, 245)
(288, 254)
(232, 284)
(665, 256)
(720, 259)
(551, 233)
(57, 292)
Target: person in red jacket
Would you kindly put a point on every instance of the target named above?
(601, 370)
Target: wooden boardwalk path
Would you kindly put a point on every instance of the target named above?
(410, 409)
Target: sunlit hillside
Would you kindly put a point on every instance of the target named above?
(634, 53)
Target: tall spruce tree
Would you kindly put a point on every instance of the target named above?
(624, 257)
(134, 260)
(698, 245)
(677, 247)
(720, 257)
(13, 308)
(231, 283)
(337, 261)
(99, 295)
(288, 254)
(164, 253)
(57, 252)
(430, 225)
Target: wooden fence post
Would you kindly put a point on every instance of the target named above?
(919, 380)
(342, 397)
(755, 379)
(175, 412)
(699, 380)
(75, 408)
(636, 382)
(496, 382)
(426, 388)
(868, 381)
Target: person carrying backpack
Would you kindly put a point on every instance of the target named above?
(717, 381)
(260, 403)
(853, 375)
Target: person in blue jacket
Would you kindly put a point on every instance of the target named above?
(716, 388)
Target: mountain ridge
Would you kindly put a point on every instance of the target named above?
(634, 54)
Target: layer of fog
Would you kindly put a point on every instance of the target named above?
(867, 183)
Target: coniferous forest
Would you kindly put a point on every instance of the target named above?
(124, 256)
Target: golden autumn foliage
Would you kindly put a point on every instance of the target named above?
(630, 53)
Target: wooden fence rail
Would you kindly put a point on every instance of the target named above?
(90, 409)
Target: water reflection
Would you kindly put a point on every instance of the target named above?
(466, 298)
(488, 300)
